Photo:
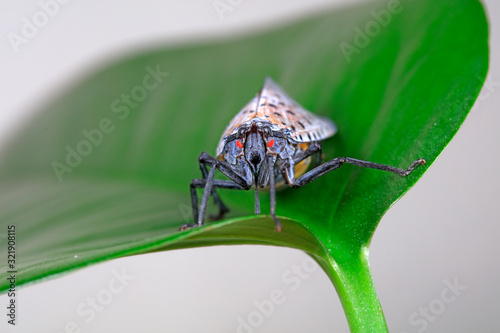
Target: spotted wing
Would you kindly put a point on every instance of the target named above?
(272, 104)
(247, 113)
(284, 113)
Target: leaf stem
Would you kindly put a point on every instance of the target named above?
(353, 281)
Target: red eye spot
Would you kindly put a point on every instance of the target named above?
(239, 144)
(270, 143)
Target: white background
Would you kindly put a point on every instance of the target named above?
(444, 229)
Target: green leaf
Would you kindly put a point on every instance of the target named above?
(397, 78)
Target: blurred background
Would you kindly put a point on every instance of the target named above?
(434, 256)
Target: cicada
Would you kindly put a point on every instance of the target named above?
(269, 145)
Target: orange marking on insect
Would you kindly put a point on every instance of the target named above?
(270, 143)
(239, 144)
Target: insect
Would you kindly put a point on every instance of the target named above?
(269, 144)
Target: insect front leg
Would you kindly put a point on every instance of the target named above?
(238, 181)
(244, 179)
(201, 183)
(223, 210)
(337, 163)
(272, 192)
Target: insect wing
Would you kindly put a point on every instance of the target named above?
(272, 104)
(245, 114)
(301, 125)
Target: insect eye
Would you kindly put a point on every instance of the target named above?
(241, 131)
(270, 143)
(267, 130)
(239, 144)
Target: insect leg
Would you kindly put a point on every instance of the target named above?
(257, 201)
(209, 183)
(319, 156)
(206, 194)
(245, 181)
(194, 198)
(287, 168)
(222, 208)
(314, 147)
(263, 178)
(201, 183)
(272, 193)
(338, 162)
